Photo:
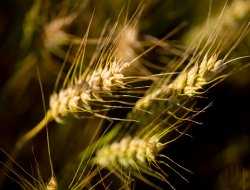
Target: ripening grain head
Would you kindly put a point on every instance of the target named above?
(140, 156)
(90, 88)
(129, 152)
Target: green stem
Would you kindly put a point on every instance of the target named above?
(32, 133)
(23, 140)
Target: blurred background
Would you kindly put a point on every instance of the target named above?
(36, 35)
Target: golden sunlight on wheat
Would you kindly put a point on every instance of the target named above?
(125, 94)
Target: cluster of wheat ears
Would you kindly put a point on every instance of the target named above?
(132, 105)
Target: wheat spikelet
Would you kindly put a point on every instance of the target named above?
(191, 81)
(52, 184)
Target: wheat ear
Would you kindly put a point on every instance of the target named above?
(191, 81)
(229, 20)
(84, 88)
(131, 155)
(77, 97)
(188, 83)
(128, 152)
(202, 69)
(140, 155)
